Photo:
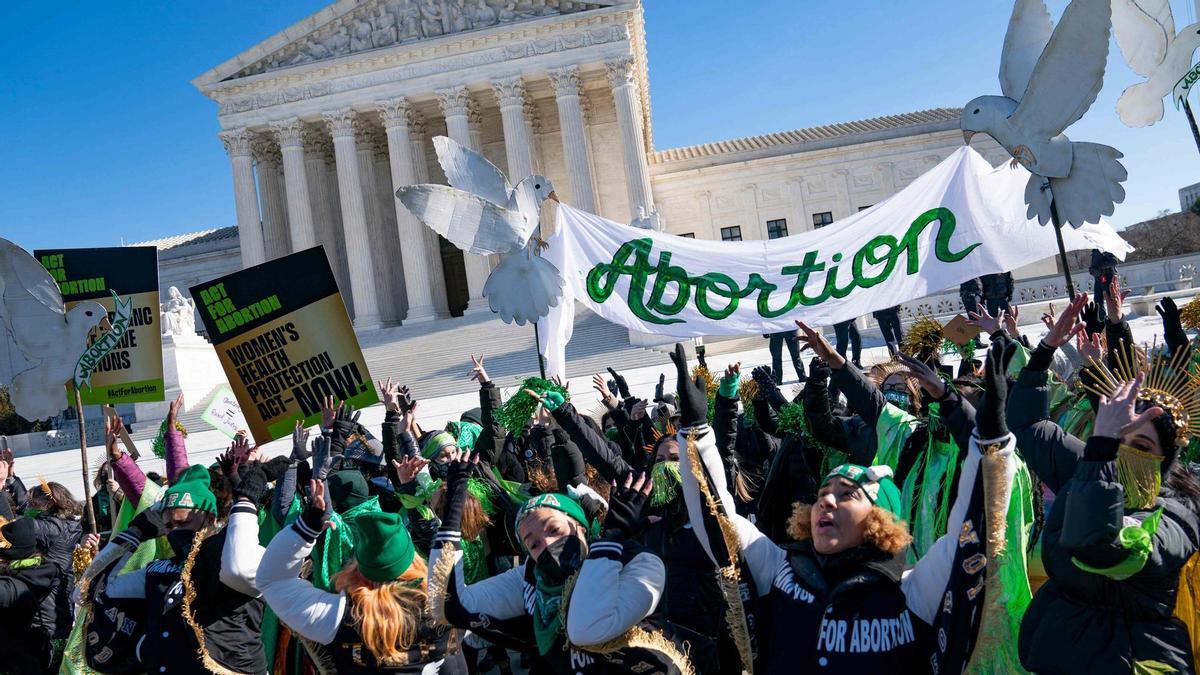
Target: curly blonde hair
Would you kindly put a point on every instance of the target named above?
(386, 615)
(881, 529)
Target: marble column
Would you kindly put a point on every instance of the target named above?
(290, 133)
(270, 195)
(433, 245)
(237, 143)
(800, 215)
(389, 228)
(414, 251)
(381, 249)
(318, 157)
(574, 138)
(455, 103)
(759, 227)
(510, 94)
(354, 219)
(623, 77)
(842, 181)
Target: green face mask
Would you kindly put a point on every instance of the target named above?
(32, 512)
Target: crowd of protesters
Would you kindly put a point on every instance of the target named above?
(1035, 511)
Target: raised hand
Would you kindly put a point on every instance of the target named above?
(660, 388)
(984, 319)
(624, 519)
(462, 463)
(989, 417)
(1091, 318)
(607, 397)
(250, 482)
(242, 451)
(1173, 332)
(1048, 317)
(322, 457)
(927, 377)
(730, 381)
(408, 421)
(1114, 300)
(173, 411)
(112, 430)
(1116, 416)
(408, 468)
(478, 373)
(390, 393)
(638, 411)
(693, 395)
(329, 410)
(1010, 322)
(820, 346)
(622, 385)
(300, 441)
(1090, 347)
(1067, 325)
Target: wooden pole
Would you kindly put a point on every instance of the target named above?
(83, 456)
(1062, 249)
(1187, 109)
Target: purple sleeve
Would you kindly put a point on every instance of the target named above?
(130, 477)
(177, 459)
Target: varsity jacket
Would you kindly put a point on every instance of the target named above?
(617, 589)
(1116, 610)
(856, 614)
(227, 605)
(326, 618)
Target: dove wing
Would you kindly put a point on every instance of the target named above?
(470, 222)
(1144, 30)
(470, 171)
(31, 305)
(1069, 73)
(1029, 30)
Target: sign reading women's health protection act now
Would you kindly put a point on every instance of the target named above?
(125, 281)
(284, 338)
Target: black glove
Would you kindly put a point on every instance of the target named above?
(146, 525)
(250, 481)
(322, 457)
(767, 389)
(1091, 319)
(276, 467)
(568, 462)
(622, 385)
(658, 389)
(314, 517)
(405, 399)
(624, 520)
(692, 394)
(456, 493)
(989, 418)
(819, 372)
(700, 355)
(344, 424)
(1173, 332)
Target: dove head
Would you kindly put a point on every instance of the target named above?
(540, 186)
(985, 114)
(82, 318)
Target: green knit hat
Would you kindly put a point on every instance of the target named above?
(383, 548)
(876, 482)
(561, 503)
(435, 442)
(192, 490)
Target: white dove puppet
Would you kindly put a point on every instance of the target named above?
(1050, 76)
(36, 327)
(482, 214)
(1145, 31)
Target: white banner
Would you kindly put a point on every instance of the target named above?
(960, 220)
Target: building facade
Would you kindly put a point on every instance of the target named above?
(324, 120)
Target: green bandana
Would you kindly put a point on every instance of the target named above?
(876, 482)
(434, 444)
(336, 545)
(466, 432)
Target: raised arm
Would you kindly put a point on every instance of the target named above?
(124, 469)
(597, 450)
(177, 459)
(241, 553)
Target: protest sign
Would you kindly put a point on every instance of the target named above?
(223, 413)
(285, 341)
(122, 365)
(960, 220)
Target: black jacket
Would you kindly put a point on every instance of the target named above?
(58, 537)
(1111, 623)
(998, 286)
(24, 643)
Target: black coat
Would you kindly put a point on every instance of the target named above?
(58, 537)
(1110, 623)
(24, 643)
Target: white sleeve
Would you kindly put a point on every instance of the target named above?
(610, 598)
(925, 584)
(241, 555)
(306, 609)
(128, 585)
(500, 597)
(763, 557)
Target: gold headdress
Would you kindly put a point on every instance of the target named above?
(668, 431)
(880, 372)
(1168, 384)
(923, 337)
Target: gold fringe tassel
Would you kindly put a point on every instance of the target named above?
(996, 491)
(189, 596)
(438, 584)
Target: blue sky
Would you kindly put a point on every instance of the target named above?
(107, 141)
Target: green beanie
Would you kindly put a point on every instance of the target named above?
(192, 490)
(435, 442)
(876, 482)
(563, 504)
(466, 432)
(383, 548)
(348, 489)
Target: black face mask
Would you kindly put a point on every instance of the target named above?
(181, 541)
(561, 559)
(438, 471)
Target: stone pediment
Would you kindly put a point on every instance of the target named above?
(353, 26)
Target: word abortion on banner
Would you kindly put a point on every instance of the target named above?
(1184, 85)
(285, 341)
(960, 220)
(122, 365)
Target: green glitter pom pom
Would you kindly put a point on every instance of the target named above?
(517, 410)
(159, 444)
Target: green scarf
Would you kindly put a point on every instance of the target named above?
(927, 488)
(1078, 419)
(335, 546)
(547, 622)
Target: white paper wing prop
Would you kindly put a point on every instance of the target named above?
(1144, 29)
(1029, 30)
(471, 172)
(523, 288)
(470, 222)
(1091, 191)
(36, 327)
